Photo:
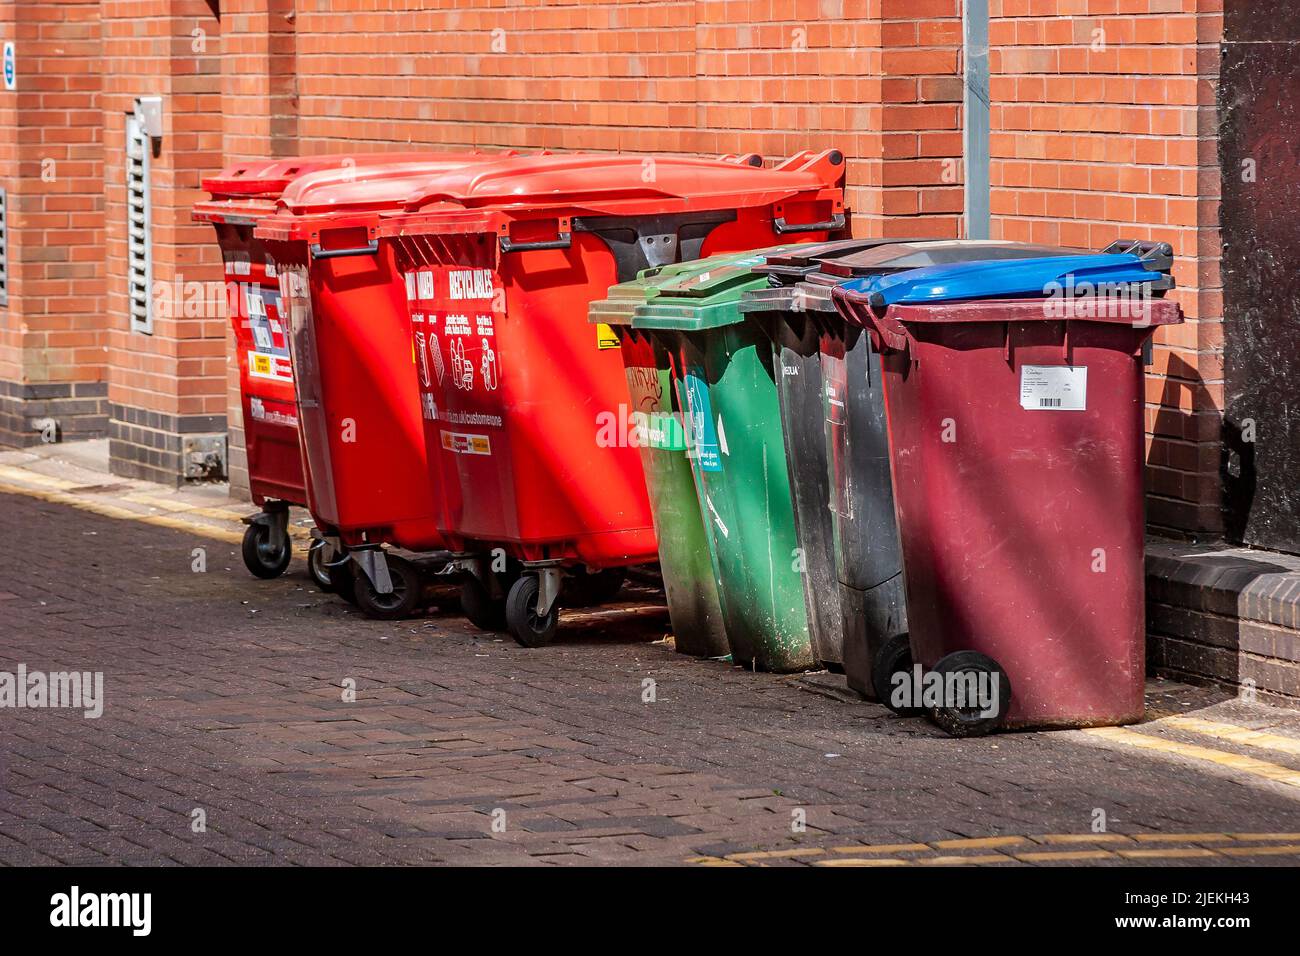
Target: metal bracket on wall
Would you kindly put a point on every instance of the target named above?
(204, 457)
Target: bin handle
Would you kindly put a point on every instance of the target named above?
(833, 224)
(893, 334)
(887, 333)
(369, 249)
(1155, 256)
(513, 245)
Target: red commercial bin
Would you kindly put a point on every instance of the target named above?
(1017, 447)
(358, 408)
(241, 195)
(525, 405)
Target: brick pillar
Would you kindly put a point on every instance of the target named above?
(52, 331)
(1103, 127)
(166, 389)
(910, 121)
(259, 79)
(259, 105)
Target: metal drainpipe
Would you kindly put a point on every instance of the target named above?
(975, 110)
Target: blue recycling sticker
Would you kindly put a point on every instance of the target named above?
(702, 439)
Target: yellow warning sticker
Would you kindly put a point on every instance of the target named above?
(606, 337)
(466, 444)
(263, 365)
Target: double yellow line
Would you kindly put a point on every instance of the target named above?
(180, 515)
(1218, 730)
(1040, 848)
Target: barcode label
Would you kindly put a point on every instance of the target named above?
(1057, 388)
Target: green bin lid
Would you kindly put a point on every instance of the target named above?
(707, 297)
(621, 302)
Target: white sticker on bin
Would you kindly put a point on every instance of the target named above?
(1054, 388)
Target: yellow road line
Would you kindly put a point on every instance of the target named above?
(1234, 734)
(1265, 836)
(883, 848)
(176, 504)
(854, 856)
(1181, 837)
(775, 854)
(107, 510)
(964, 860)
(1184, 853)
(296, 532)
(57, 493)
(35, 478)
(1053, 855)
(865, 861)
(980, 843)
(1249, 765)
(1292, 850)
(711, 861)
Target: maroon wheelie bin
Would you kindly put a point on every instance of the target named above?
(1016, 437)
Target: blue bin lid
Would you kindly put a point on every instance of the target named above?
(1014, 278)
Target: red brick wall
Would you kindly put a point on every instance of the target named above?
(1104, 127)
(52, 330)
(1088, 144)
(876, 79)
(149, 50)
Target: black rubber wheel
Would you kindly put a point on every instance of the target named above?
(589, 590)
(894, 658)
(402, 601)
(479, 607)
(264, 556)
(318, 557)
(343, 577)
(972, 720)
(525, 624)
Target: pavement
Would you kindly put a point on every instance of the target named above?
(264, 722)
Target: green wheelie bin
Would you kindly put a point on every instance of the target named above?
(722, 365)
(684, 562)
(779, 310)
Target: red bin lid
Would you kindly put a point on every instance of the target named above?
(476, 196)
(486, 198)
(249, 189)
(337, 196)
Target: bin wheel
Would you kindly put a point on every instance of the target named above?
(343, 577)
(526, 625)
(318, 557)
(590, 590)
(480, 608)
(401, 602)
(894, 658)
(971, 721)
(264, 556)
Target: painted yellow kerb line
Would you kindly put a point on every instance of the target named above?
(35, 478)
(106, 510)
(1250, 765)
(1022, 848)
(1235, 735)
(220, 514)
(59, 491)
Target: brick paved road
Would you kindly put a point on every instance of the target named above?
(224, 694)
